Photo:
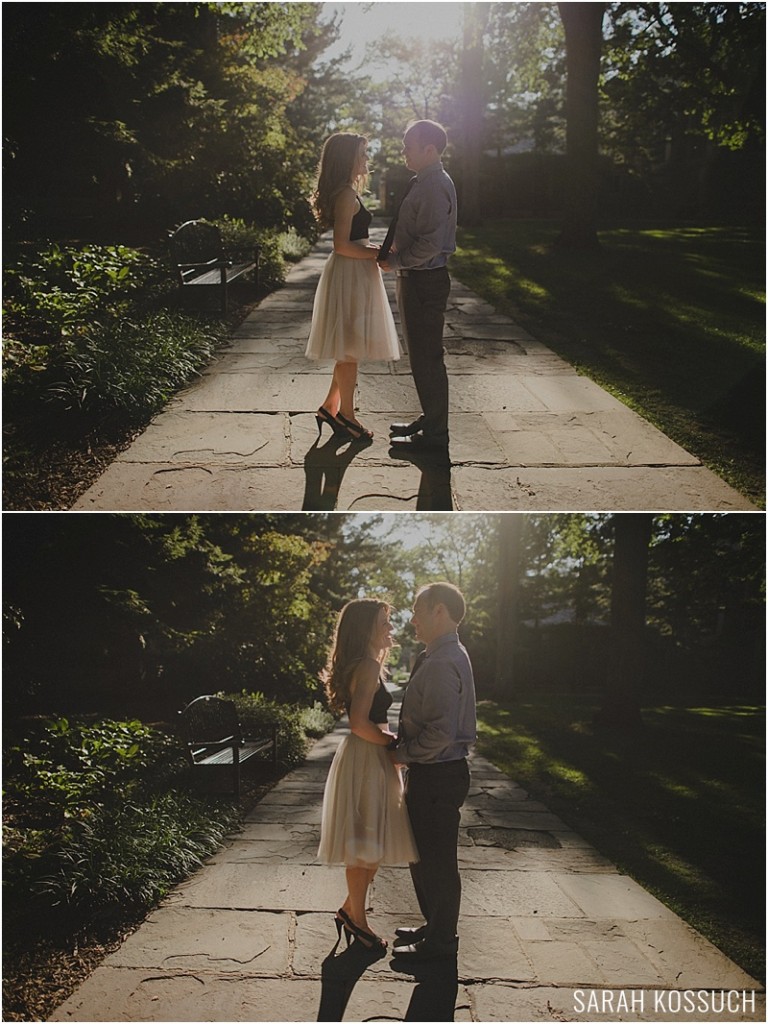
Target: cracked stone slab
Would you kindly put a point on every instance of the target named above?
(119, 994)
(306, 815)
(577, 489)
(268, 362)
(129, 486)
(257, 345)
(611, 896)
(471, 441)
(383, 488)
(589, 953)
(522, 819)
(224, 941)
(270, 852)
(267, 831)
(236, 439)
(252, 392)
(487, 948)
(615, 437)
(684, 957)
(284, 326)
(485, 894)
(271, 887)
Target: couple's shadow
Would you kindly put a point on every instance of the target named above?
(433, 997)
(325, 466)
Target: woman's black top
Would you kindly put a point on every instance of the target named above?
(360, 223)
(382, 699)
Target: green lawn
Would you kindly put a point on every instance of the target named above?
(679, 807)
(670, 320)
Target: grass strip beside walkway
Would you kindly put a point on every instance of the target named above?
(679, 806)
(669, 320)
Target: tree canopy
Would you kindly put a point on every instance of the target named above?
(128, 613)
(135, 116)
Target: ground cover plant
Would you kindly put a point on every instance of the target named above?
(669, 319)
(679, 805)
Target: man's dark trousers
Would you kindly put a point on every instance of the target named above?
(434, 794)
(422, 296)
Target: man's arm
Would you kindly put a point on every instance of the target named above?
(439, 687)
(434, 210)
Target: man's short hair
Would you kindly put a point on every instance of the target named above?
(447, 594)
(429, 133)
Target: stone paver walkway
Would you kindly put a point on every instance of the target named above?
(527, 432)
(549, 931)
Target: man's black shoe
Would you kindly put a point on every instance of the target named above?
(419, 443)
(426, 950)
(406, 429)
(406, 936)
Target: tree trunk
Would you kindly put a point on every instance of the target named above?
(510, 535)
(621, 700)
(473, 111)
(583, 24)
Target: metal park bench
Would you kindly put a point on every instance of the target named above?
(198, 255)
(211, 732)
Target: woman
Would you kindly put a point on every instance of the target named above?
(351, 319)
(365, 822)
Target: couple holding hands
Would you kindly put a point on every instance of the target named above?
(351, 319)
(370, 817)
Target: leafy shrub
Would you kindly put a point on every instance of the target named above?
(134, 366)
(241, 238)
(292, 246)
(317, 720)
(61, 773)
(52, 290)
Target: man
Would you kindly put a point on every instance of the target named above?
(425, 236)
(437, 728)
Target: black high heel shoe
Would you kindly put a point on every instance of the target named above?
(367, 939)
(357, 430)
(340, 922)
(323, 416)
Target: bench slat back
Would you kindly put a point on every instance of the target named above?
(207, 719)
(195, 241)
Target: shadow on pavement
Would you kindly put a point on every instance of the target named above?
(435, 485)
(324, 469)
(339, 975)
(437, 985)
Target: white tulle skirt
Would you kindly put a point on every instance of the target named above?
(351, 318)
(365, 822)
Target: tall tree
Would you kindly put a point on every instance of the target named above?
(472, 103)
(510, 530)
(621, 696)
(583, 24)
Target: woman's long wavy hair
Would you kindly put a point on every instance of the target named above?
(336, 170)
(351, 641)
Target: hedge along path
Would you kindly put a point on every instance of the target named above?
(527, 432)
